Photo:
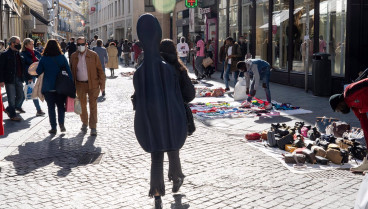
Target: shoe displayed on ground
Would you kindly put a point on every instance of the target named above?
(361, 168)
(227, 89)
(93, 132)
(158, 204)
(15, 119)
(40, 113)
(84, 128)
(246, 104)
(177, 184)
(268, 107)
(62, 128)
(20, 110)
(52, 131)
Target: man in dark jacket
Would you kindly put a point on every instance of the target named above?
(63, 45)
(71, 47)
(126, 51)
(12, 75)
(243, 48)
(355, 97)
(233, 54)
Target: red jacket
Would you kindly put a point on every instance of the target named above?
(356, 97)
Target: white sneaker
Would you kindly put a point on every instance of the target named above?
(269, 106)
(363, 168)
(246, 104)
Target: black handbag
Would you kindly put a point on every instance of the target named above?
(190, 119)
(63, 84)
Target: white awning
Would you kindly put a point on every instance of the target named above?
(35, 6)
(280, 17)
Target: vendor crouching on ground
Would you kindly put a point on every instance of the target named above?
(355, 97)
(260, 71)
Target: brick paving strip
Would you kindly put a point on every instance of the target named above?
(221, 170)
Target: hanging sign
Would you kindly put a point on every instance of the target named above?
(191, 3)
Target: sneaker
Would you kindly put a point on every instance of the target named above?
(40, 113)
(246, 104)
(93, 132)
(227, 89)
(20, 110)
(268, 107)
(62, 128)
(362, 168)
(52, 131)
(84, 128)
(177, 184)
(15, 119)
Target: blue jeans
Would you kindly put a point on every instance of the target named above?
(227, 75)
(184, 60)
(265, 78)
(35, 101)
(15, 95)
(52, 99)
(222, 69)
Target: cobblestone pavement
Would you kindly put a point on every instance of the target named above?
(221, 171)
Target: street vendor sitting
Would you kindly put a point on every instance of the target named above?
(355, 97)
(260, 71)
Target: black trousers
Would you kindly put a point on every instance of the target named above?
(157, 171)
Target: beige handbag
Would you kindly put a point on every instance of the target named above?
(207, 62)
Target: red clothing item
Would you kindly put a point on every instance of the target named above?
(34, 58)
(356, 97)
(137, 51)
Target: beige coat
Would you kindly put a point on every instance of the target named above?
(37, 90)
(112, 53)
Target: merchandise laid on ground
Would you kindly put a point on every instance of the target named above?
(331, 144)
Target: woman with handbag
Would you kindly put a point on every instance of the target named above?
(31, 56)
(50, 64)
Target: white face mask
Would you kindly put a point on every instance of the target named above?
(81, 48)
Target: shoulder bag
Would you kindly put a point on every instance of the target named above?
(63, 84)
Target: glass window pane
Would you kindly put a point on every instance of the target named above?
(280, 21)
(262, 29)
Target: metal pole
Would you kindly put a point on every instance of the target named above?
(306, 64)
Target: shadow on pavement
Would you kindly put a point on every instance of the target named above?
(14, 126)
(64, 152)
(113, 77)
(276, 119)
(178, 204)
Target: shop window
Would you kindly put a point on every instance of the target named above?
(332, 31)
(262, 29)
(246, 27)
(280, 22)
(148, 6)
(303, 41)
(233, 20)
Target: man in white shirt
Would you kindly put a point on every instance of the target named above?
(260, 70)
(183, 50)
(94, 42)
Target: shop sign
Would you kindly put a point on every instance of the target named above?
(203, 11)
(191, 3)
(274, 29)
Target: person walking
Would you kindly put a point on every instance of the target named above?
(233, 54)
(71, 48)
(120, 50)
(183, 50)
(137, 48)
(260, 70)
(50, 65)
(160, 121)
(126, 51)
(12, 75)
(102, 54)
(113, 62)
(39, 48)
(89, 79)
(200, 57)
(94, 42)
(63, 46)
(31, 56)
(354, 97)
(222, 57)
